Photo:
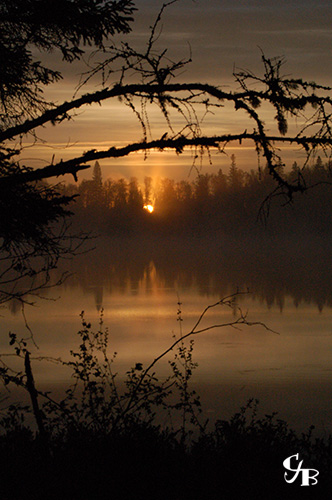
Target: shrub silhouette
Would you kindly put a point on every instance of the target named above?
(105, 440)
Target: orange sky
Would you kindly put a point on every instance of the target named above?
(222, 34)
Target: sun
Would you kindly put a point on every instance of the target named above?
(149, 208)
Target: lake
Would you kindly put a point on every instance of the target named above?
(139, 282)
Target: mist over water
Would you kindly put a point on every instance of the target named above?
(138, 282)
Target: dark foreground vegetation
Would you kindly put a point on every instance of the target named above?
(101, 441)
(145, 437)
(239, 459)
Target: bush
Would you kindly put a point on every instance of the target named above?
(104, 441)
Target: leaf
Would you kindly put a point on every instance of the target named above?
(12, 338)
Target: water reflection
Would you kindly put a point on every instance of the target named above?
(138, 283)
(272, 269)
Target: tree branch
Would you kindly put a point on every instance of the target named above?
(241, 319)
(74, 165)
(59, 113)
(287, 97)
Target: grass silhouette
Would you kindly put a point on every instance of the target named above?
(104, 438)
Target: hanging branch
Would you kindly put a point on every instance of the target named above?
(163, 95)
(153, 71)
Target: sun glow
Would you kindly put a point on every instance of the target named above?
(149, 208)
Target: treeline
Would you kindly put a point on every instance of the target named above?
(232, 203)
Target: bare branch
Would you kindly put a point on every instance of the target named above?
(59, 113)
(229, 301)
(178, 144)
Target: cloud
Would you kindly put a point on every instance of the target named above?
(318, 32)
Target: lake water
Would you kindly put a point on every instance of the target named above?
(138, 284)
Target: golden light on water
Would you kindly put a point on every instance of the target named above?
(149, 208)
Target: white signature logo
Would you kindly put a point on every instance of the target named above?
(307, 474)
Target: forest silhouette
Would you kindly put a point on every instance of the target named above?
(99, 442)
(237, 202)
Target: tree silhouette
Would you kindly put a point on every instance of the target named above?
(135, 197)
(34, 228)
(140, 79)
(48, 25)
(97, 176)
(288, 97)
(97, 191)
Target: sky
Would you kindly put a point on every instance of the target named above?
(220, 35)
